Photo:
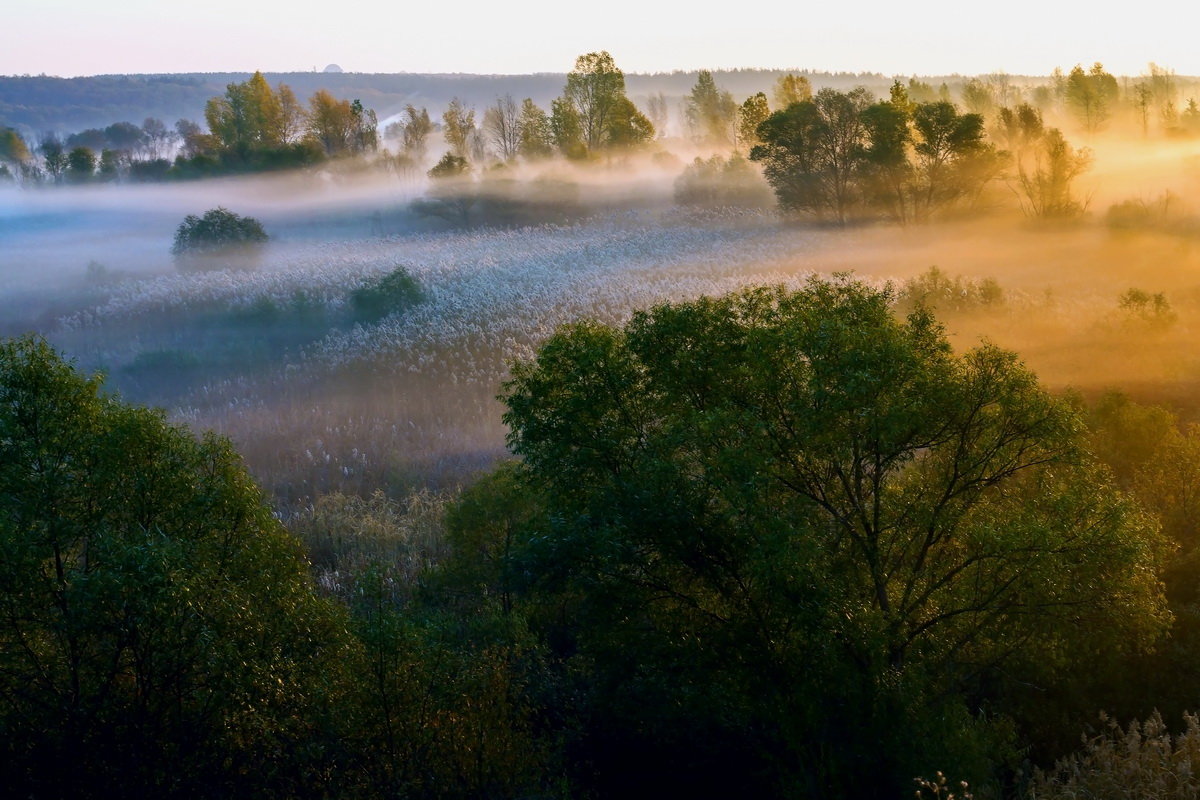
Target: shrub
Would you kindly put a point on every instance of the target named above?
(936, 291)
(219, 232)
(393, 292)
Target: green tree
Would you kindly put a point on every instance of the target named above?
(952, 159)
(751, 114)
(710, 112)
(627, 126)
(12, 147)
(567, 128)
(812, 150)
(218, 234)
(1090, 96)
(792, 513)
(1045, 174)
(415, 132)
(534, 132)
(790, 88)
(595, 89)
(159, 632)
(81, 165)
(458, 126)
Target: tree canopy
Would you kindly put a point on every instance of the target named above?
(159, 632)
(817, 511)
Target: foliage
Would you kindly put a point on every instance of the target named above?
(934, 291)
(593, 112)
(750, 115)
(818, 521)
(1090, 95)
(219, 232)
(12, 147)
(1045, 175)
(789, 89)
(1146, 308)
(458, 126)
(535, 136)
(810, 152)
(394, 292)
(710, 112)
(159, 634)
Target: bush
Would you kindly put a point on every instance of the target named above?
(393, 292)
(219, 232)
(935, 291)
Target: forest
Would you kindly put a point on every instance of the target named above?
(779, 433)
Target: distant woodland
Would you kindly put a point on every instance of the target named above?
(39, 103)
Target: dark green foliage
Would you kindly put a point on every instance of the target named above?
(159, 634)
(394, 292)
(218, 232)
(839, 155)
(796, 540)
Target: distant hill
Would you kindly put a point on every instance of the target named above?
(39, 104)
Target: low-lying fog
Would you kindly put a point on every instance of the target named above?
(318, 398)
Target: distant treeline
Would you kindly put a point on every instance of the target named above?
(36, 104)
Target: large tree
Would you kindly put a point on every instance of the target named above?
(595, 87)
(158, 632)
(811, 152)
(810, 531)
(710, 112)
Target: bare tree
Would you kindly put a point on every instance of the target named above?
(656, 109)
(501, 126)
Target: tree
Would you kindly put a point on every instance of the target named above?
(331, 123)
(54, 157)
(1090, 96)
(218, 234)
(567, 128)
(797, 513)
(952, 158)
(415, 132)
(501, 123)
(627, 126)
(12, 147)
(888, 170)
(752, 113)
(535, 136)
(159, 632)
(710, 112)
(656, 110)
(157, 138)
(595, 89)
(790, 89)
(811, 152)
(81, 165)
(458, 124)
(1045, 174)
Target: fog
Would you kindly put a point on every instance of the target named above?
(320, 399)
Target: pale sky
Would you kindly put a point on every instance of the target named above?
(70, 37)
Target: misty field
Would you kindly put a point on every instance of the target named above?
(319, 398)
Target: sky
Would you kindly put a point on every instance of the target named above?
(927, 37)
